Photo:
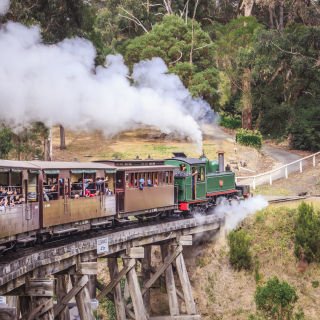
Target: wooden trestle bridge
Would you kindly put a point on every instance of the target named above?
(39, 283)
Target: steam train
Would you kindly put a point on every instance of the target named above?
(40, 200)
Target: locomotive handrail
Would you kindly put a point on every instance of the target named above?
(286, 166)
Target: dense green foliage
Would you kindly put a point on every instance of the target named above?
(275, 300)
(240, 256)
(249, 138)
(230, 122)
(259, 63)
(307, 233)
(6, 143)
(171, 40)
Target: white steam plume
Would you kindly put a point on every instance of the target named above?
(59, 84)
(4, 7)
(235, 211)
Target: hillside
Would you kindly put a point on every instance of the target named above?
(88, 146)
(225, 294)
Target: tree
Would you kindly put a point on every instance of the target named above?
(307, 233)
(62, 138)
(173, 40)
(240, 256)
(32, 142)
(286, 93)
(276, 300)
(234, 56)
(6, 138)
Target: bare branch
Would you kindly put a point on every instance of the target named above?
(293, 52)
(167, 4)
(132, 18)
(192, 34)
(173, 62)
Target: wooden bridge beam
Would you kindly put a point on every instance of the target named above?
(61, 291)
(41, 292)
(186, 286)
(146, 272)
(166, 252)
(135, 291)
(118, 299)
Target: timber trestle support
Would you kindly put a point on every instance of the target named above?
(64, 284)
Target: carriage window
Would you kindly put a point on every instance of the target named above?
(167, 177)
(51, 186)
(109, 184)
(127, 180)
(201, 174)
(11, 191)
(155, 178)
(90, 188)
(32, 186)
(76, 185)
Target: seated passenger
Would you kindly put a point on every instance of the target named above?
(4, 202)
(141, 183)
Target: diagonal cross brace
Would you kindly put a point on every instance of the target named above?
(161, 270)
(168, 260)
(40, 310)
(114, 282)
(75, 290)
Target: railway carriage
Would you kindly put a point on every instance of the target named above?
(19, 202)
(40, 200)
(152, 197)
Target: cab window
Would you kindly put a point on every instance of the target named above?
(201, 174)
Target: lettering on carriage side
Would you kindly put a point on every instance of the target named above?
(102, 245)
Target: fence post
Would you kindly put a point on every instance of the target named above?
(286, 172)
(270, 179)
(314, 160)
(300, 166)
(254, 183)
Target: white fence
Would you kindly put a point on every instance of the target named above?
(278, 173)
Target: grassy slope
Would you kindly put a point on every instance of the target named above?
(222, 293)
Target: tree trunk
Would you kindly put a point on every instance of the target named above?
(281, 16)
(271, 24)
(62, 138)
(247, 6)
(246, 100)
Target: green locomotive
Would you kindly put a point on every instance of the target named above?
(199, 182)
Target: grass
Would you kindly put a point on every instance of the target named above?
(272, 233)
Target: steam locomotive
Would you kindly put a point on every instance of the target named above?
(40, 200)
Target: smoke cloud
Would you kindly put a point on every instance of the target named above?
(235, 212)
(59, 84)
(4, 7)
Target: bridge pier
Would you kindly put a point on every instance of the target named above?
(41, 292)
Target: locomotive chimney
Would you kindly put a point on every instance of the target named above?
(221, 160)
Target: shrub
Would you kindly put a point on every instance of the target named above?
(251, 138)
(276, 300)
(307, 233)
(230, 122)
(240, 256)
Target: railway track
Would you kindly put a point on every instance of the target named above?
(22, 252)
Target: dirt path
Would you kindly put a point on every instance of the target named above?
(281, 156)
